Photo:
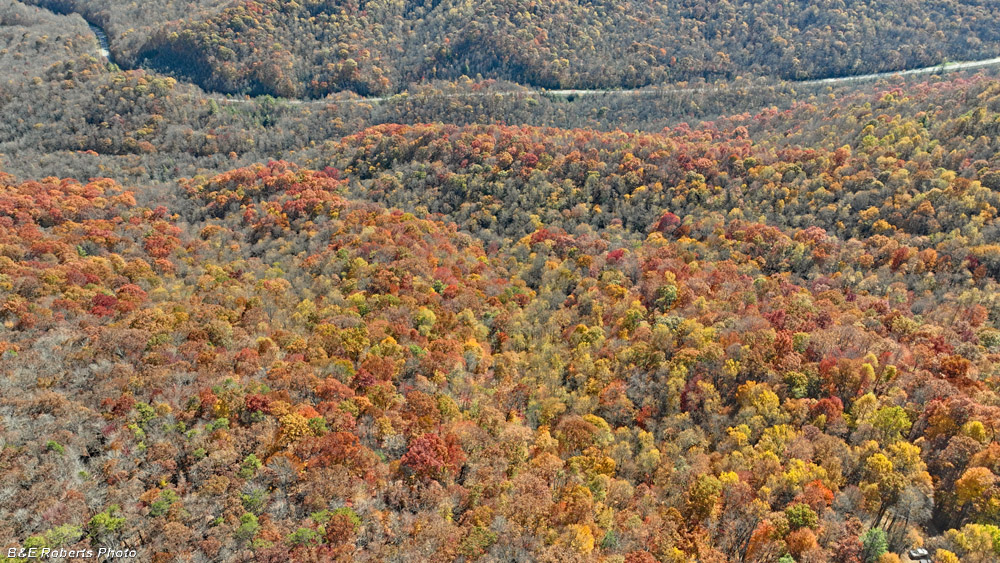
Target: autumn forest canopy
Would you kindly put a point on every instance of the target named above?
(758, 322)
(376, 47)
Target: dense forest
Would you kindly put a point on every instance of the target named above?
(280, 370)
(316, 47)
(755, 322)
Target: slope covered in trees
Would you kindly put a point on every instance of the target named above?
(895, 181)
(273, 370)
(313, 48)
(476, 323)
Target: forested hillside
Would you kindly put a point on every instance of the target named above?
(316, 47)
(755, 321)
(273, 369)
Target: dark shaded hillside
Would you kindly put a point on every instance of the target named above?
(313, 48)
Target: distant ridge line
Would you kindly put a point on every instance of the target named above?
(104, 51)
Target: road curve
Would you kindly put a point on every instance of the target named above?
(102, 40)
